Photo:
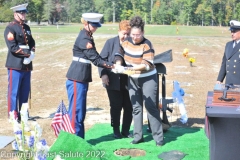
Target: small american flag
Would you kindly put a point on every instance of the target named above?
(61, 120)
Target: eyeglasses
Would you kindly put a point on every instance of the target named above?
(136, 35)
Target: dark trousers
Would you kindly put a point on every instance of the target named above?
(120, 100)
(77, 96)
(18, 90)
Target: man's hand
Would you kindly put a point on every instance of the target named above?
(218, 82)
(105, 79)
(26, 60)
(118, 69)
(29, 59)
(119, 62)
(32, 55)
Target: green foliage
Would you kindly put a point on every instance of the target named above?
(185, 12)
(174, 23)
(36, 8)
(49, 10)
(7, 14)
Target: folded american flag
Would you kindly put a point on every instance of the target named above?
(61, 120)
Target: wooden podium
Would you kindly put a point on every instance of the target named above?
(223, 129)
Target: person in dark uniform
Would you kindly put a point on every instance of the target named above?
(137, 53)
(230, 68)
(80, 71)
(21, 49)
(116, 85)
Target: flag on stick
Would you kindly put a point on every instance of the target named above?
(61, 120)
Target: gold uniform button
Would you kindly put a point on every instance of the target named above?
(234, 72)
(234, 66)
(235, 60)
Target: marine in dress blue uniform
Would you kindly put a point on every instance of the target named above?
(21, 48)
(230, 67)
(80, 71)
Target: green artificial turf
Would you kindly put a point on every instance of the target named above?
(100, 144)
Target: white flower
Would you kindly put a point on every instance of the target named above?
(46, 149)
(24, 107)
(39, 146)
(12, 117)
(20, 148)
(27, 137)
(15, 145)
(16, 126)
(32, 133)
(24, 113)
(42, 147)
(38, 130)
(27, 128)
(58, 158)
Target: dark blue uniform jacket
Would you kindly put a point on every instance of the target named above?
(84, 47)
(17, 34)
(230, 68)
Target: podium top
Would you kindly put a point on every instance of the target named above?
(219, 110)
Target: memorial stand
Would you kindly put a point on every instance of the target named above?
(223, 129)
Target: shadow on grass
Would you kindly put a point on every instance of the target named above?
(96, 137)
(192, 122)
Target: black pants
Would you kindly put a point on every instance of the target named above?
(120, 100)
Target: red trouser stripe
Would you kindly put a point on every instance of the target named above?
(74, 104)
(9, 91)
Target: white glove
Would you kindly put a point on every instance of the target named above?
(118, 69)
(31, 57)
(26, 60)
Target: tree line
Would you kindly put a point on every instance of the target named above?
(167, 12)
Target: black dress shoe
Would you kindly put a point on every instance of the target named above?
(159, 144)
(117, 136)
(136, 142)
(129, 135)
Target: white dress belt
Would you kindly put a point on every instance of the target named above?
(81, 60)
(24, 46)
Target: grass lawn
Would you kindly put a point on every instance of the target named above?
(100, 144)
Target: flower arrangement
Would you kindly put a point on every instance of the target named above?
(27, 142)
(191, 60)
(185, 53)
